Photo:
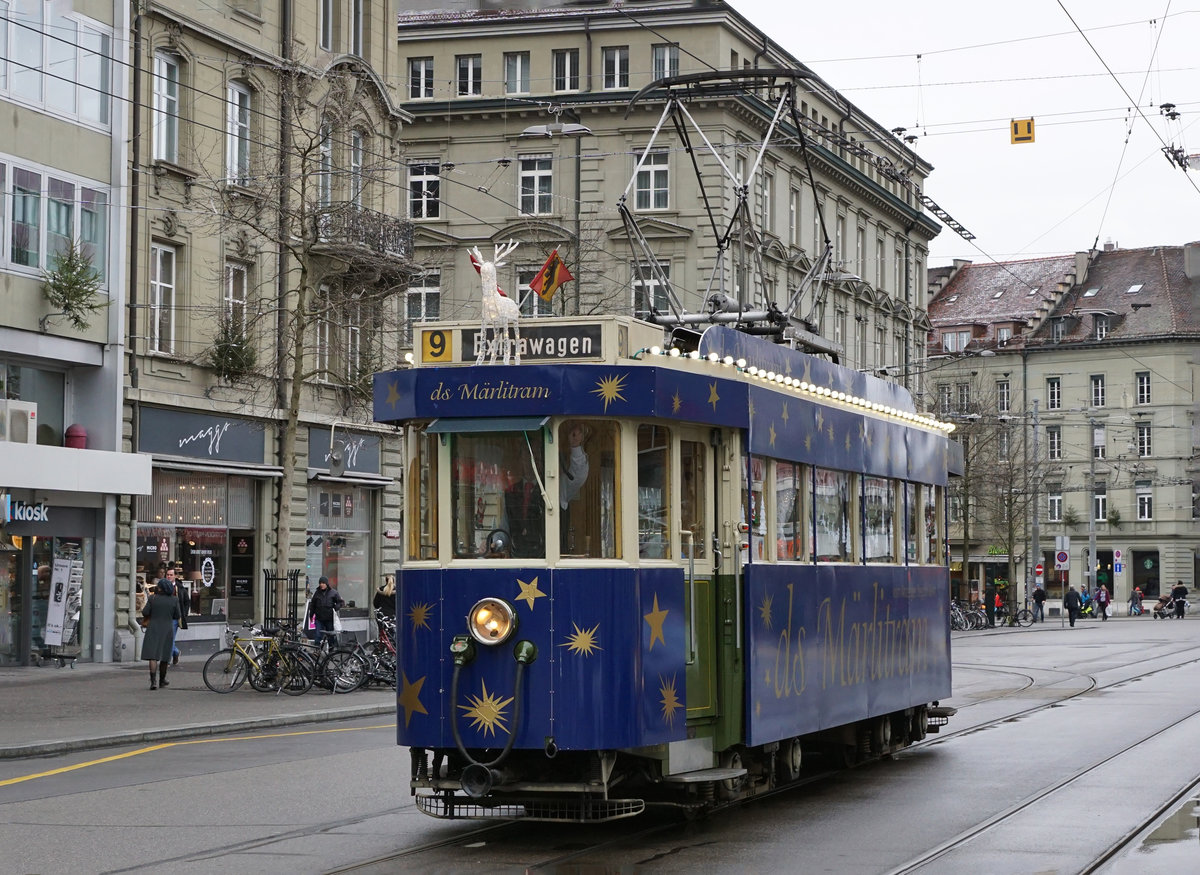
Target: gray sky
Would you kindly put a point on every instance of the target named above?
(983, 64)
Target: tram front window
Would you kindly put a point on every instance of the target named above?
(497, 502)
(654, 521)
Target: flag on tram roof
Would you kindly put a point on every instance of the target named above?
(552, 275)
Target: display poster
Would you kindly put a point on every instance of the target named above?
(57, 609)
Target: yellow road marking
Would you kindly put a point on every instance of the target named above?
(152, 748)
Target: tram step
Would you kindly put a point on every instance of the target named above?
(702, 775)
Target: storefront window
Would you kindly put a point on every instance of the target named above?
(338, 540)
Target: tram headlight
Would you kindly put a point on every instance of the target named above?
(491, 621)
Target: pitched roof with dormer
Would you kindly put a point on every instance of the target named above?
(1141, 293)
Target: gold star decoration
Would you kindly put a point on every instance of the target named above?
(808, 442)
(772, 433)
(713, 397)
(486, 711)
(831, 432)
(676, 402)
(419, 614)
(529, 592)
(847, 441)
(583, 641)
(784, 415)
(393, 397)
(410, 697)
(865, 433)
(610, 389)
(670, 699)
(656, 618)
(806, 377)
(764, 611)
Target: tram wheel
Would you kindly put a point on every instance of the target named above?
(881, 734)
(787, 760)
(732, 788)
(920, 724)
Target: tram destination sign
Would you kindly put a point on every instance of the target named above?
(539, 343)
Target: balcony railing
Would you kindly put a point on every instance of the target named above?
(347, 225)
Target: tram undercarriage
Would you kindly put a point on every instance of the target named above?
(599, 786)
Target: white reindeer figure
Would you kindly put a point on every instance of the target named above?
(500, 313)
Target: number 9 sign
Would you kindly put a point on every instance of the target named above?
(436, 346)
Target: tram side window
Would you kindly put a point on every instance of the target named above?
(654, 506)
(912, 532)
(934, 534)
(879, 520)
(831, 507)
(423, 498)
(789, 515)
(588, 498)
(693, 494)
(497, 506)
(754, 511)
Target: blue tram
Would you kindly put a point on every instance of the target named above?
(636, 576)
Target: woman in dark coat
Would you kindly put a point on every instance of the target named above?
(322, 605)
(163, 610)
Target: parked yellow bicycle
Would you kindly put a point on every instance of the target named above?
(268, 662)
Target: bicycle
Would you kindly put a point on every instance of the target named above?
(268, 662)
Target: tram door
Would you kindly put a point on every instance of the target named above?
(700, 594)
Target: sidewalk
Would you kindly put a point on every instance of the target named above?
(51, 710)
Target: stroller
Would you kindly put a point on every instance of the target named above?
(1164, 607)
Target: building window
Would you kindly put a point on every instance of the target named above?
(1054, 503)
(794, 217)
(944, 398)
(616, 67)
(354, 339)
(1003, 336)
(1057, 331)
(1145, 500)
(1100, 324)
(420, 78)
(424, 188)
(1145, 445)
(768, 202)
(566, 69)
(357, 151)
(664, 61)
(26, 218)
(653, 181)
(356, 27)
(236, 282)
(1054, 393)
(964, 397)
(424, 303)
(59, 62)
(323, 353)
(48, 214)
(1099, 442)
(880, 265)
(955, 341)
(1100, 503)
(1003, 396)
(516, 72)
(1054, 443)
(326, 24)
(162, 299)
(1143, 387)
(532, 304)
(470, 75)
(649, 293)
(237, 135)
(536, 182)
(1003, 445)
(1097, 390)
(325, 167)
(166, 108)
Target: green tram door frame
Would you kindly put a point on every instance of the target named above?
(695, 478)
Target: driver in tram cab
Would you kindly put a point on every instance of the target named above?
(573, 473)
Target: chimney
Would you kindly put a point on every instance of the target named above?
(1109, 245)
(1191, 260)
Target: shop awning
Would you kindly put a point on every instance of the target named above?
(225, 468)
(499, 423)
(371, 481)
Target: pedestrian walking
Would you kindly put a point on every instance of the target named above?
(1179, 594)
(162, 609)
(385, 606)
(181, 623)
(1072, 602)
(323, 605)
(989, 604)
(1135, 602)
(1102, 600)
(1039, 599)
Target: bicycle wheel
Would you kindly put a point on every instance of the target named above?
(346, 671)
(225, 671)
(1024, 617)
(295, 678)
(264, 675)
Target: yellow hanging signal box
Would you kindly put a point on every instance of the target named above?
(1022, 130)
